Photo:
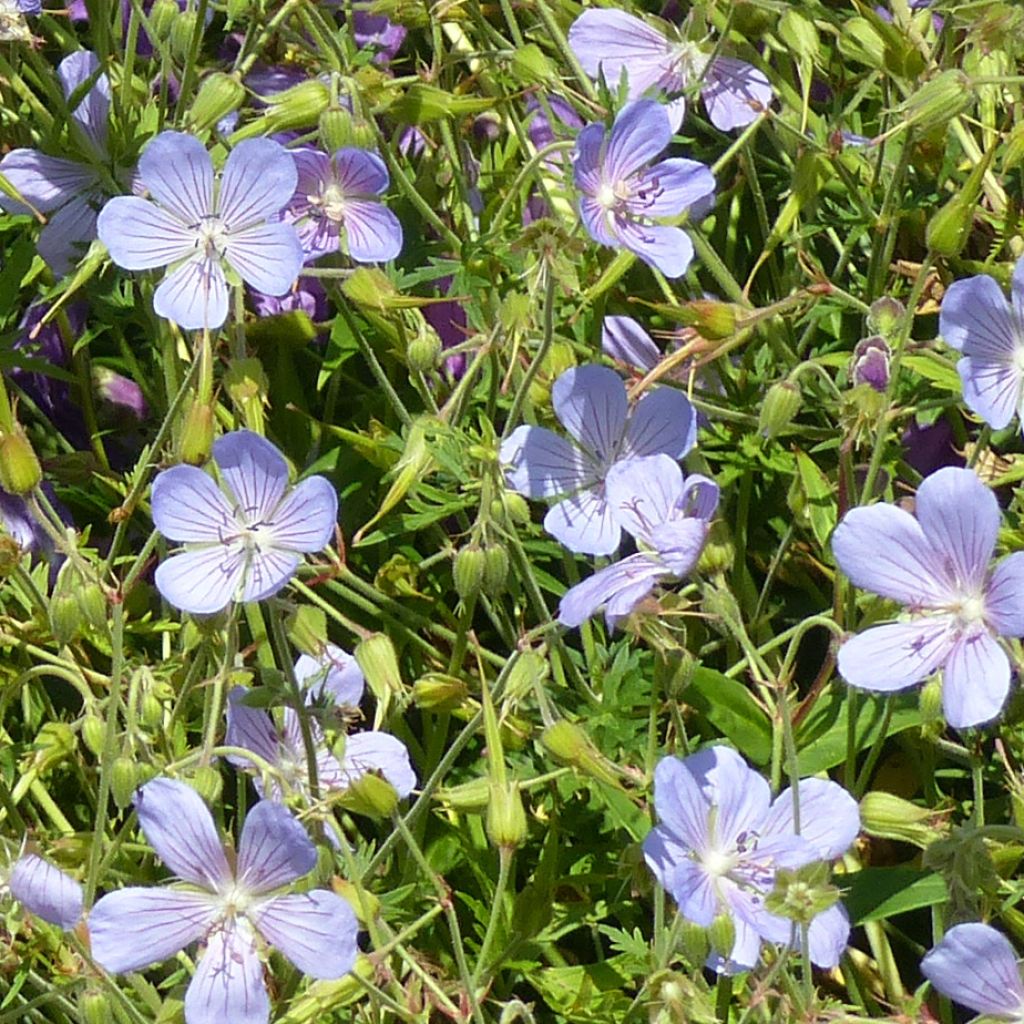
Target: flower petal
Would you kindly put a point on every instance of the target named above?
(316, 930)
(268, 571)
(228, 984)
(960, 517)
(255, 472)
(178, 172)
(992, 388)
(828, 936)
(179, 827)
(584, 524)
(258, 181)
(92, 112)
(671, 187)
(373, 234)
(133, 928)
(977, 967)
(668, 249)
(336, 673)
(1004, 596)
(540, 464)
(62, 243)
(682, 802)
(643, 493)
(897, 655)
(306, 517)
(378, 752)
(975, 679)
(734, 93)
(140, 235)
(204, 580)
(274, 849)
(739, 794)
(590, 402)
(640, 132)
(662, 421)
(977, 320)
(884, 549)
(188, 505)
(266, 256)
(624, 339)
(608, 41)
(685, 880)
(46, 182)
(46, 891)
(359, 172)
(193, 296)
(634, 576)
(829, 817)
(680, 543)
(249, 728)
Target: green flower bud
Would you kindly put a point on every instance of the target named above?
(693, 940)
(930, 702)
(377, 658)
(722, 935)
(335, 129)
(297, 107)
(495, 570)
(779, 408)
(802, 894)
(93, 733)
(950, 226)
(151, 711)
(19, 468)
(568, 743)
(208, 782)
(939, 100)
(93, 602)
(510, 509)
(467, 797)
(124, 779)
(423, 350)
(370, 795)
(196, 440)
(506, 818)
(180, 32)
(94, 1007)
(719, 550)
(885, 316)
(438, 692)
(307, 629)
(162, 15)
(468, 571)
(66, 618)
(219, 94)
(238, 10)
(891, 817)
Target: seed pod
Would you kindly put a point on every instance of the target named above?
(93, 732)
(19, 468)
(891, 817)
(506, 817)
(208, 782)
(939, 100)
(219, 94)
(468, 571)
(438, 692)
(779, 408)
(124, 779)
(180, 32)
(495, 570)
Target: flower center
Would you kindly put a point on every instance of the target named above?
(333, 202)
(234, 901)
(970, 609)
(717, 863)
(211, 236)
(606, 196)
(691, 61)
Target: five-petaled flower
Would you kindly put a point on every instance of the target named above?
(657, 60)
(977, 321)
(721, 839)
(199, 226)
(938, 565)
(621, 191)
(976, 966)
(228, 904)
(668, 518)
(591, 403)
(244, 542)
(337, 200)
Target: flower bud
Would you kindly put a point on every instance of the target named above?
(151, 711)
(886, 315)
(237, 10)
(376, 657)
(298, 107)
(693, 940)
(371, 796)
(568, 743)
(94, 1007)
(511, 509)
(93, 733)
(939, 100)
(436, 691)
(245, 379)
(423, 350)
(722, 935)
(468, 571)
(713, 319)
(467, 797)
(870, 364)
(219, 94)
(123, 780)
(929, 700)
(65, 617)
(19, 467)
(196, 440)
(495, 570)
(506, 818)
(162, 15)
(335, 129)
(719, 551)
(891, 817)
(779, 408)
(180, 32)
(950, 225)
(307, 629)
(208, 782)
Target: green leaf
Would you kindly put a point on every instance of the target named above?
(877, 893)
(936, 369)
(728, 705)
(820, 507)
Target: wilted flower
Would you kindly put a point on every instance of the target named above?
(669, 520)
(243, 543)
(334, 673)
(590, 402)
(621, 191)
(609, 42)
(46, 891)
(228, 904)
(976, 966)
(938, 566)
(976, 320)
(721, 841)
(337, 200)
(70, 190)
(200, 231)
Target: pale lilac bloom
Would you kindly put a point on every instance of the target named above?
(46, 891)
(336, 205)
(976, 966)
(590, 402)
(978, 322)
(668, 518)
(938, 566)
(627, 342)
(199, 229)
(334, 673)
(243, 542)
(622, 191)
(721, 839)
(228, 904)
(71, 191)
(660, 61)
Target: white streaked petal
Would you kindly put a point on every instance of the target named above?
(178, 172)
(316, 930)
(204, 580)
(590, 402)
(266, 256)
(194, 296)
(274, 849)
(255, 472)
(139, 235)
(306, 516)
(258, 181)
(188, 505)
(268, 572)
(228, 986)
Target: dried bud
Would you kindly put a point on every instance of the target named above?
(870, 363)
(722, 935)
(506, 818)
(19, 468)
(124, 779)
(196, 441)
(779, 408)
(218, 95)
(495, 570)
(468, 571)
(438, 692)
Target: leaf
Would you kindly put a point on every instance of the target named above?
(877, 893)
(820, 507)
(936, 369)
(728, 705)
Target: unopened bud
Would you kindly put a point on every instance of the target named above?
(94, 1007)
(335, 129)
(929, 700)
(511, 509)
(438, 692)
(65, 617)
(939, 100)
(93, 602)
(779, 408)
(722, 935)
(19, 467)
(949, 227)
(219, 94)
(495, 570)
(719, 551)
(370, 795)
(713, 319)
(377, 658)
(151, 711)
(298, 107)
(162, 15)
(870, 364)
(530, 670)
(506, 818)
(891, 817)
(693, 941)
(886, 315)
(196, 434)
(307, 629)
(568, 743)
(467, 797)
(93, 732)
(124, 779)
(208, 782)
(423, 350)
(180, 32)
(468, 571)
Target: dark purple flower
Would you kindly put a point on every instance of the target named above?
(307, 296)
(449, 320)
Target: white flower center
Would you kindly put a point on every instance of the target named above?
(691, 61)
(234, 901)
(970, 608)
(606, 196)
(332, 201)
(1018, 356)
(717, 863)
(211, 236)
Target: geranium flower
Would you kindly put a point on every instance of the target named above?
(938, 566)
(71, 190)
(590, 402)
(621, 191)
(243, 543)
(228, 904)
(658, 59)
(336, 200)
(976, 966)
(669, 520)
(625, 341)
(200, 231)
(721, 839)
(46, 891)
(976, 320)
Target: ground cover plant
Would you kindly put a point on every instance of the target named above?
(510, 511)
